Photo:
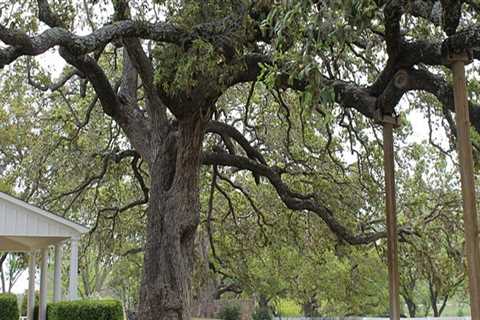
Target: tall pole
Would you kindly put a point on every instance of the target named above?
(42, 308)
(73, 283)
(390, 207)
(31, 285)
(57, 278)
(468, 182)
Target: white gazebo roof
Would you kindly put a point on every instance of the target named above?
(24, 227)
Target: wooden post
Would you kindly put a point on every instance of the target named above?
(392, 250)
(468, 181)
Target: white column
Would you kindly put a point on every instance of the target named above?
(72, 288)
(42, 309)
(57, 278)
(31, 286)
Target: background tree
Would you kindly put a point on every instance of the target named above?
(434, 258)
(11, 268)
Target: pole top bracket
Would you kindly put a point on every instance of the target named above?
(465, 56)
(382, 119)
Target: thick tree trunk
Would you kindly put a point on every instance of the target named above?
(173, 217)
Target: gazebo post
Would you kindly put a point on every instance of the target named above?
(42, 308)
(390, 208)
(73, 283)
(57, 278)
(464, 146)
(31, 285)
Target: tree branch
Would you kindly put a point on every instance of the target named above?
(217, 33)
(292, 200)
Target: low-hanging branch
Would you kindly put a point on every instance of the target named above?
(293, 200)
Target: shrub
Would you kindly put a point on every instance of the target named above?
(230, 312)
(85, 310)
(8, 307)
(289, 308)
(262, 314)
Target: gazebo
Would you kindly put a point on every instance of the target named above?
(26, 228)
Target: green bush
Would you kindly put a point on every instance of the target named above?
(262, 314)
(230, 312)
(85, 310)
(8, 307)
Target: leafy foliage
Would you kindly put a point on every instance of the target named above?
(8, 307)
(230, 312)
(85, 310)
(262, 314)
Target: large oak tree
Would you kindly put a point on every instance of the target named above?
(180, 57)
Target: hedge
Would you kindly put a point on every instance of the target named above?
(8, 307)
(85, 310)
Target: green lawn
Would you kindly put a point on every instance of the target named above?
(456, 308)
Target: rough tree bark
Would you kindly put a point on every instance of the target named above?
(173, 217)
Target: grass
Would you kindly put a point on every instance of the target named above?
(455, 308)
(289, 308)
